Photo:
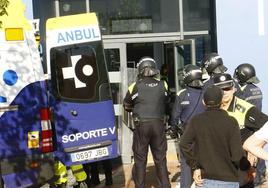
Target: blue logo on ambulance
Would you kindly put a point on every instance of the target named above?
(10, 77)
(66, 36)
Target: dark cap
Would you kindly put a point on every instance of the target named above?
(223, 80)
(213, 96)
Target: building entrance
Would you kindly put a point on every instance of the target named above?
(122, 58)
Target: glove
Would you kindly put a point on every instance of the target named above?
(173, 132)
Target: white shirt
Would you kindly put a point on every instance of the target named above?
(262, 134)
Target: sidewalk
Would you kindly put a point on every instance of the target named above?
(122, 173)
(122, 176)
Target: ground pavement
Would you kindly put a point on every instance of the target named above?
(122, 177)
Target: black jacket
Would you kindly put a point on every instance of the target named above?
(147, 98)
(217, 145)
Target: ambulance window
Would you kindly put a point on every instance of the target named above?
(75, 72)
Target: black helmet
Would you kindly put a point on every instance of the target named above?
(223, 80)
(192, 76)
(213, 64)
(147, 67)
(245, 73)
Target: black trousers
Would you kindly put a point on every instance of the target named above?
(92, 170)
(150, 134)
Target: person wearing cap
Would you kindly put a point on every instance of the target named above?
(147, 99)
(245, 75)
(217, 150)
(188, 103)
(212, 64)
(249, 117)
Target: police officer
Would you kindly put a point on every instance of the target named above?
(245, 75)
(147, 98)
(249, 117)
(212, 64)
(188, 103)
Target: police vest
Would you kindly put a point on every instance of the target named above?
(149, 99)
(60, 173)
(238, 109)
(79, 173)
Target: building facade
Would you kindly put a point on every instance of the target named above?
(173, 32)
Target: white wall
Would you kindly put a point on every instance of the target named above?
(242, 32)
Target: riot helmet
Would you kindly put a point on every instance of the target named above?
(245, 73)
(192, 76)
(213, 64)
(223, 80)
(147, 67)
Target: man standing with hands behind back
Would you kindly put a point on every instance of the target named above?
(147, 98)
(217, 149)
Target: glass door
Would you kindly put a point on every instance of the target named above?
(184, 54)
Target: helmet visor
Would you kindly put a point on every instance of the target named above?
(253, 80)
(220, 69)
(149, 71)
(196, 83)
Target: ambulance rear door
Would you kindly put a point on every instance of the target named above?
(80, 94)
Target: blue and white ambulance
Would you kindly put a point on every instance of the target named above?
(26, 145)
(80, 94)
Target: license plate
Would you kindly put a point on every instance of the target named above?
(90, 154)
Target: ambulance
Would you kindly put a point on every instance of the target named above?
(26, 143)
(79, 90)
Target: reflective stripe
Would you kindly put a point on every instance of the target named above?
(47, 139)
(239, 111)
(47, 144)
(179, 92)
(60, 173)
(46, 125)
(131, 87)
(79, 172)
(166, 85)
(253, 97)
